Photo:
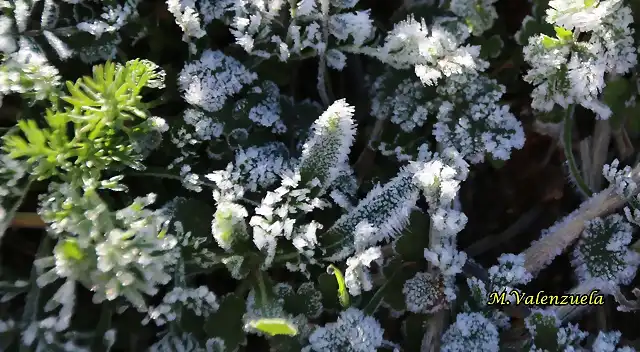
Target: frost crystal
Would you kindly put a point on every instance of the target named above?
(484, 126)
(187, 17)
(261, 167)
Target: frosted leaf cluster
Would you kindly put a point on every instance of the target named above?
(479, 15)
(262, 166)
(603, 254)
(324, 28)
(266, 112)
(423, 293)
(357, 277)
(200, 301)
(328, 147)
(352, 332)
(620, 178)
(27, 71)
(272, 219)
(466, 109)
(187, 17)
(434, 52)
(471, 332)
(547, 333)
(52, 328)
(406, 106)
(228, 225)
(439, 181)
(380, 216)
(569, 70)
(121, 255)
(509, 272)
(479, 299)
(482, 126)
(205, 127)
(322, 161)
(209, 81)
(113, 18)
(12, 173)
(193, 246)
(607, 341)
(626, 187)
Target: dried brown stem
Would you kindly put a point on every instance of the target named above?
(568, 230)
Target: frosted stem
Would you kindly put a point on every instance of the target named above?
(542, 252)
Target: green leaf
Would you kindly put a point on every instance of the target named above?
(414, 239)
(274, 326)
(491, 47)
(549, 42)
(328, 286)
(343, 294)
(71, 249)
(307, 300)
(563, 34)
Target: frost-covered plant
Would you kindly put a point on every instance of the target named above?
(603, 254)
(569, 70)
(230, 175)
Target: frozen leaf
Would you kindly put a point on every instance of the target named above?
(274, 326)
(327, 149)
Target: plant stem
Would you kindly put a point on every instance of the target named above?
(599, 152)
(564, 232)
(568, 152)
